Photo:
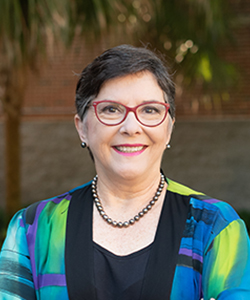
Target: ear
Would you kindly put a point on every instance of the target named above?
(171, 128)
(81, 128)
(173, 121)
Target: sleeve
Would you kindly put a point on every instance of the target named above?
(226, 268)
(16, 280)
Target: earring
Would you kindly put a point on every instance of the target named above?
(168, 146)
(83, 145)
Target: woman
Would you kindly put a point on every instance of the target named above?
(131, 233)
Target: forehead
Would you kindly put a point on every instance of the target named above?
(139, 86)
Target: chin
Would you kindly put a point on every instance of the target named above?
(130, 173)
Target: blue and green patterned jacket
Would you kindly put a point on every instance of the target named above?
(213, 257)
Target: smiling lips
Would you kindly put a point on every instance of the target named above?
(129, 150)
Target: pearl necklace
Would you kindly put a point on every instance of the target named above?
(136, 217)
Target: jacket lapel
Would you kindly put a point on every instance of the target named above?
(79, 258)
(163, 257)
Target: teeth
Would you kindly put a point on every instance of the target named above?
(129, 149)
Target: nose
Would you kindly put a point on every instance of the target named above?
(131, 125)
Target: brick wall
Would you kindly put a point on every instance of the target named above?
(51, 91)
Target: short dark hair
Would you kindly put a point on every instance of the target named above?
(117, 62)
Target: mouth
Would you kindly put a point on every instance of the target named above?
(129, 149)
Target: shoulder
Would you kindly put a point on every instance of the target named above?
(51, 208)
(39, 217)
(205, 213)
(201, 201)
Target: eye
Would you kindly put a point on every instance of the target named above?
(109, 108)
(150, 109)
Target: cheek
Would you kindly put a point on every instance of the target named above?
(163, 135)
(159, 139)
(166, 132)
(91, 129)
(99, 135)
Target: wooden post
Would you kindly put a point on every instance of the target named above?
(12, 163)
(15, 83)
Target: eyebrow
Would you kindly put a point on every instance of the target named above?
(143, 101)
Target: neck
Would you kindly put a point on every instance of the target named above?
(127, 194)
(134, 219)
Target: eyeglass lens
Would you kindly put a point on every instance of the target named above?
(112, 113)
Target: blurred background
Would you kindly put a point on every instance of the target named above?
(44, 45)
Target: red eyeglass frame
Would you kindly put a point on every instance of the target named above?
(129, 109)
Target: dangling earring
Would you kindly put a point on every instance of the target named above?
(168, 146)
(83, 144)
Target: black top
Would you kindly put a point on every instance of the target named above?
(160, 268)
(119, 277)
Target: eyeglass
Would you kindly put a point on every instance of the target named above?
(113, 113)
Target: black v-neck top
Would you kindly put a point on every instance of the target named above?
(119, 277)
(161, 262)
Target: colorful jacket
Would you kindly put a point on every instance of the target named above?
(213, 257)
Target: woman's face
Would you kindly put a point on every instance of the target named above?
(128, 149)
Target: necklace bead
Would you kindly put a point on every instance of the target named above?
(137, 217)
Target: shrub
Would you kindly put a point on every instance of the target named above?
(245, 215)
(3, 226)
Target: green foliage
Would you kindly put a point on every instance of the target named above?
(92, 16)
(245, 215)
(27, 28)
(193, 33)
(188, 31)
